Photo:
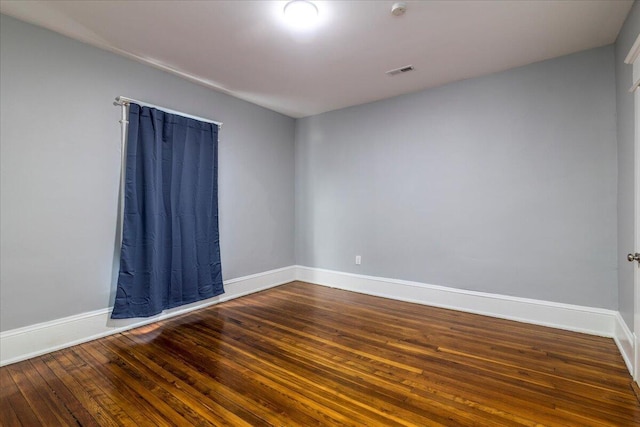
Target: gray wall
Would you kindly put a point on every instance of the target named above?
(503, 184)
(60, 160)
(625, 110)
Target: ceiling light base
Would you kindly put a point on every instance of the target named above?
(301, 13)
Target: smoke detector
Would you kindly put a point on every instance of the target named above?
(398, 8)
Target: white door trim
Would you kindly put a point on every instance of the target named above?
(636, 267)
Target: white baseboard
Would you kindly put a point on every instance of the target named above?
(624, 339)
(590, 320)
(24, 343)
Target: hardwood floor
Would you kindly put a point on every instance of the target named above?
(303, 355)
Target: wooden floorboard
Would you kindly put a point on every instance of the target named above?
(305, 355)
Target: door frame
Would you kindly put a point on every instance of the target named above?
(636, 268)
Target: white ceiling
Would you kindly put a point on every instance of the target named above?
(245, 49)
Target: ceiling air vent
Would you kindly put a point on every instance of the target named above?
(400, 70)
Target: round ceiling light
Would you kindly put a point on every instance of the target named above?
(301, 13)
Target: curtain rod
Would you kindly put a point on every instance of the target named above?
(123, 100)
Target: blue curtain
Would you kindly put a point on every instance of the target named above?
(170, 246)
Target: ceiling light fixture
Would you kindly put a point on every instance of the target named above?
(301, 13)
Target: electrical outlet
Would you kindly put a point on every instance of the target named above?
(358, 260)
